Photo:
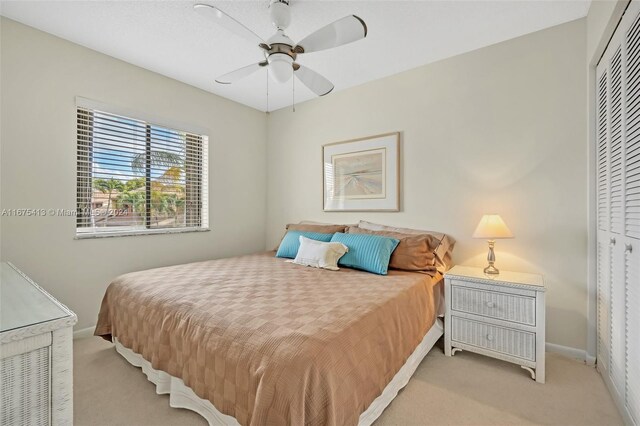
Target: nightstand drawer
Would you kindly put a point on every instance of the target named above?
(502, 340)
(504, 306)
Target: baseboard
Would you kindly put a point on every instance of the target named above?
(567, 351)
(85, 332)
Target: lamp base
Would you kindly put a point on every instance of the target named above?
(491, 258)
(491, 270)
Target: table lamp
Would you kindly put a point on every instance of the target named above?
(492, 227)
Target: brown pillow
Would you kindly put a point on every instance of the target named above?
(443, 251)
(322, 229)
(308, 227)
(413, 253)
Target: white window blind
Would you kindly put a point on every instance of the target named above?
(137, 177)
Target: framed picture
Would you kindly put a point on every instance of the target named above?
(362, 174)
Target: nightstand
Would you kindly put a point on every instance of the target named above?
(501, 316)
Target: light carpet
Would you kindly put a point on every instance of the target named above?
(466, 389)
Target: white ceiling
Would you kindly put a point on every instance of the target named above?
(168, 37)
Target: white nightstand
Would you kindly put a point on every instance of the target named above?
(501, 316)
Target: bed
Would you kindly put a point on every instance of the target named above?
(256, 340)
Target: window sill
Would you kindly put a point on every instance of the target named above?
(105, 234)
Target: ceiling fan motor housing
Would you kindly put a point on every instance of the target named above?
(280, 13)
(281, 56)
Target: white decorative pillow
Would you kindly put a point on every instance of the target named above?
(319, 254)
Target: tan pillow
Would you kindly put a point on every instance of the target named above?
(413, 253)
(322, 229)
(443, 251)
(308, 227)
(311, 222)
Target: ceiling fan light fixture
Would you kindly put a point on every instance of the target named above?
(280, 67)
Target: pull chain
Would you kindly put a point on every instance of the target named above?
(267, 89)
(293, 92)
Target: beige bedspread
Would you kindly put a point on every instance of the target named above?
(270, 342)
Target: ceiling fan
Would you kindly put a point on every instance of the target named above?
(281, 52)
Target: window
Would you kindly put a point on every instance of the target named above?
(136, 177)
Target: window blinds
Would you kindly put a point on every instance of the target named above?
(138, 177)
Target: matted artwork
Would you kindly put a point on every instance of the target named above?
(362, 174)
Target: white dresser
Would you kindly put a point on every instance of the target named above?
(36, 354)
(501, 316)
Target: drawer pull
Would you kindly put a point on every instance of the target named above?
(489, 337)
(491, 305)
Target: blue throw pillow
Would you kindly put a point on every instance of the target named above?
(291, 242)
(367, 252)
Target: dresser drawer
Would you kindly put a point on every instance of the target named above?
(503, 340)
(492, 304)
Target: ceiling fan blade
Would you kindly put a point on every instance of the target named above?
(346, 30)
(240, 73)
(228, 22)
(314, 81)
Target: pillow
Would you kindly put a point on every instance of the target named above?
(314, 227)
(308, 227)
(319, 254)
(312, 222)
(414, 252)
(290, 243)
(370, 253)
(442, 251)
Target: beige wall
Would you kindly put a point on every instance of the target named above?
(501, 129)
(40, 77)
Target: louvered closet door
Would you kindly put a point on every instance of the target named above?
(618, 213)
(603, 256)
(632, 216)
(616, 200)
(632, 400)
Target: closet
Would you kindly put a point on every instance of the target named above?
(618, 214)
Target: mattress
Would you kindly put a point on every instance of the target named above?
(270, 342)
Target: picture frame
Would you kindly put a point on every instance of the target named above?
(362, 174)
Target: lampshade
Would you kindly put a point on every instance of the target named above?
(280, 66)
(492, 227)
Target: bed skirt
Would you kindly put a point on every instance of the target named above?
(181, 396)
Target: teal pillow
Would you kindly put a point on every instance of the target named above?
(291, 242)
(370, 253)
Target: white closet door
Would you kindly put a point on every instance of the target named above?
(603, 219)
(615, 140)
(603, 151)
(632, 128)
(632, 219)
(604, 304)
(618, 325)
(618, 214)
(632, 401)
(616, 200)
